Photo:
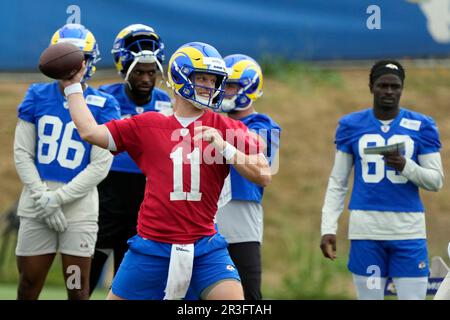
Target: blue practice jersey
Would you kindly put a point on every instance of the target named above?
(160, 100)
(241, 188)
(376, 186)
(60, 152)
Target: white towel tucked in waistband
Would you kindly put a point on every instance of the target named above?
(180, 271)
(225, 194)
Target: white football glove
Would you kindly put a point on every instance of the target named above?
(57, 221)
(48, 201)
(38, 210)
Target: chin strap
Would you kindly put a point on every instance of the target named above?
(145, 56)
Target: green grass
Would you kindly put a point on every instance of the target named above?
(302, 76)
(309, 275)
(8, 292)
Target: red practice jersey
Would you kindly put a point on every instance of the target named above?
(184, 179)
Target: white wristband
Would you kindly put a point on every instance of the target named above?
(229, 151)
(73, 88)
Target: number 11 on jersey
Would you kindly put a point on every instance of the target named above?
(194, 161)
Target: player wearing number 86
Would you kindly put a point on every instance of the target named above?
(387, 221)
(58, 207)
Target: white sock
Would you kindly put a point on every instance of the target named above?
(443, 292)
(369, 288)
(411, 288)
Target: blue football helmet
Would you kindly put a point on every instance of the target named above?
(134, 44)
(192, 58)
(78, 35)
(247, 75)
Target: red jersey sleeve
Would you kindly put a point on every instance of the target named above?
(242, 138)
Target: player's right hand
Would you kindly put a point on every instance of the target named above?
(47, 203)
(57, 221)
(395, 160)
(76, 78)
(328, 246)
(211, 135)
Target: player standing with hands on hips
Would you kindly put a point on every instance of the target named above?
(387, 217)
(185, 158)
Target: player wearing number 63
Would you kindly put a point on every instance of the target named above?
(387, 221)
(58, 207)
(185, 158)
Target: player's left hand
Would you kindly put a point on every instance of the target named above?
(211, 135)
(395, 160)
(57, 221)
(48, 201)
(328, 246)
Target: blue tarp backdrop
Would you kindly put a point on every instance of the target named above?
(292, 29)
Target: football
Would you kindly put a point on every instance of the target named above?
(61, 61)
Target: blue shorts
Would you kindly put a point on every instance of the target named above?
(389, 258)
(142, 275)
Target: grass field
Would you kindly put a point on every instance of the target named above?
(307, 102)
(8, 292)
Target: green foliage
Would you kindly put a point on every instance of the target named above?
(310, 275)
(304, 76)
(50, 292)
(7, 259)
(429, 84)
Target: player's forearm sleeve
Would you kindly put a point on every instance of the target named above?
(111, 144)
(429, 174)
(336, 191)
(90, 177)
(24, 155)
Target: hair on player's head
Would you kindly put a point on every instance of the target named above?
(386, 66)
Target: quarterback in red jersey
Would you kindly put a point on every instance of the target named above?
(186, 159)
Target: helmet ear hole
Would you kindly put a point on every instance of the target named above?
(187, 91)
(253, 88)
(244, 100)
